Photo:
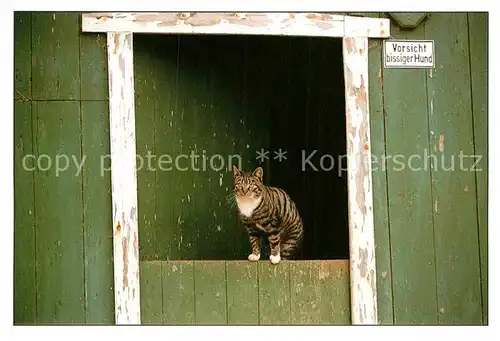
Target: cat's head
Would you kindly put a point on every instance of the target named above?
(248, 185)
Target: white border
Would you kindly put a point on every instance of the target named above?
(230, 333)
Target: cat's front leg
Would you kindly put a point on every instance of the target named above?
(274, 245)
(255, 245)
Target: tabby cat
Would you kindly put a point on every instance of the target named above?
(270, 211)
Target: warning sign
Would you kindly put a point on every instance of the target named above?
(409, 54)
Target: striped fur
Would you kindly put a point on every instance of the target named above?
(270, 211)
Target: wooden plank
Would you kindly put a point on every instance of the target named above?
(58, 207)
(98, 225)
(319, 292)
(22, 56)
(216, 110)
(210, 292)
(178, 292)
(24, 217)
(216, 23)
(56, 59)
(93, 67)
(284, 24)
(361, 241)
(334, 291)
(151, 293)
(174, 239)
(305, 296)
(409, 192)
(242, 292)
(189, 215)
(454, 190)
(274, 293)
(124, 178)
(145, 83)
(381, 221)
(478, 33)
(223, 70)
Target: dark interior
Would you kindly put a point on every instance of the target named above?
(264, 92)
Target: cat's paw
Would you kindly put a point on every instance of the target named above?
(253, 258)
(275, 259)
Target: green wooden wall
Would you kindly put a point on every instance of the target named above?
(207, 94)
(242, 292)
(63, 232)
(431, 220)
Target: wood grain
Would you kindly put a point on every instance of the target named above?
(178, 292)
(151, 293)
(55, 56)
(22, 56)
(97, 209)
(210, 292)
(24, 216)
(381, 221)
(124, 178)
(274, 293)
(453, 182)
(242, 292)
(59, 232)
(361, 233)
(409, 192)
(478, 35)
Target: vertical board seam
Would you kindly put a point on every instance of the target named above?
(85, 296)
(162, 293)
(155, 178)
(431, 179)
(225, 276)
(258, 292)
(34, 145)
(384, 115)
(475, 173)
(194, 291)
(289, 292)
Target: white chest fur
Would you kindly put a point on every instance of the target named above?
(247, 206)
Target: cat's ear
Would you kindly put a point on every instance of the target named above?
(236, 171)
(258, 172)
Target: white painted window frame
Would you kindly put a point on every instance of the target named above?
(355, 32)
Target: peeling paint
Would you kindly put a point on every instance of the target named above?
(360, 211)
(362, 266)
(274, 23)
(441, 143)
(125, 261)
(123, 178)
